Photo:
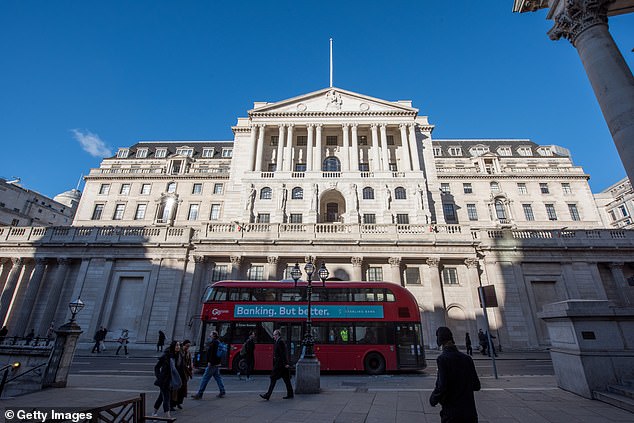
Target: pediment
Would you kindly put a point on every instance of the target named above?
(333, 100)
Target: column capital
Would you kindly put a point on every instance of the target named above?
(471, 263)
(412, 126)
(281, 125)
(310, 258)
(40, 261)
(383, 125)
(354, 124)
(432, 262)
(272, 259)
(17, 261)
(310, 125)
(577, 16)
(616, 265)
(403, 125)
(356, 261)
(63, 261)
(290, 125)
(374, 125)
(200, 259)
(318, 125)
(394, 261)
(236, 260)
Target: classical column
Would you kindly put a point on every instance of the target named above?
(54, 292)
(395, 267)
(354, 151)
(28, 303)
(279, 158)
(9, 287)
(318, 148)
(309, 147)
(346, 148)
(357, 268)
(621, 284)
(253, 148)
(439, 312)
(272, 268)
(376, 165)
(236, 261)
(407, 165)
(585, 24)
(384, 147)
(288, 155)
(260, 149)
(414, 147)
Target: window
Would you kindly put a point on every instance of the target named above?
(455, 151)
(215, 212)
(297, 193)
(140, 211)
(218, 188)
(444, 188)
(369, 218)
(272, 167)
(390, 140)
(450, 276)
(565, 187)
(118, 212)
(15, 222)
(362, 140)
(208, 153)
(146, 189)
(392, 166)
(295, 218)
(505, 151)
(467, 188)
(275, 139)
(449, 212)
(543, 187)
(495, 187)
(623, 210)
(412, 276)
(524, 151)
(437, 151)
(220, 272)
(255, 273)
(364, 167)
(402, 219)
(331, 164)
(266, 193)
(141, 153)
(125, 189)
(188, 152)
(521, 188)
(193, 212)
(197, 189)
(331, 140)
(400, 193)
(550, 211)
(302, 140)
(375, 274)
(264, 218)
(574, 213)
(123, 153)
(528, 212)
(472, 212)
(300, 167)
(227, 153)
(161, 153)
(171, 187)
(500, 210)
(104, 189)
(612, 215)
(478, 150)
(368, 193)
(97, 212)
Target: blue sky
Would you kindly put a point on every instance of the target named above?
(81, 78)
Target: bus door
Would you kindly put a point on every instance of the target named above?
(407, 345)
(291, 333)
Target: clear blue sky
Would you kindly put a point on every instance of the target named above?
(123, 71)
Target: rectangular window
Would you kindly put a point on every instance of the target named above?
(275, 139)
(300, 167)
(543, 188)
(264, 218)
(393, 167)
(215, 212)
(140, 211)
(296, 218)
(574, 213)
(550, 211)
(197, 189)
(331, 140)
(455, 151)
(188, 152)
(565, 187)
(375, 274)
(141, 153)
(402, 219)
(97, 212)
(161, 153)
(444, 188)
(450, 212)
(272, 167)
(125, 189)
(524, 151)
(504, 151)
(193, 212)
(437, 151)
(104, 189)
(612, 215)
(468, 189)
(302, 140)
(369, 218)
(118, 212)
(390, 140)
(219, 273)
(528, 212)
(472, 212)
(450, 276)
(521, 188)
(255, 273)
(412, 276)
(218, 188)
(623, 210)
(208, 153)
(227, 153)
(364, 167)
(146, 189)
(122, 153)
(362, 140)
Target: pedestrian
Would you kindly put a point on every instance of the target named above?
(187, 373)
(123, 342)
(160, 342)
(102, 344)
(179, 364)
(482, 340)
(247, 353)
(456, 381)
(487, 335)
(98, 338)
(3, 333)
(213, 368)
(467, 341)
(29, 337)
(281, 367)
(167, 378)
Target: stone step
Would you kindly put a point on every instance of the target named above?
(616, 400)
(628, 383)
(626, 391)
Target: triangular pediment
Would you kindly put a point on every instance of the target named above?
(333, 100)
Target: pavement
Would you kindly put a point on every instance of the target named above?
(400, 397)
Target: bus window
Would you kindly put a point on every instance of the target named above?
(338, 294)
(265, 334)
(264, 294)
(208, 292)
(320, 333)
(219, 294)
(371, 333)
(363, 295)
(380, 294)
(241, 331)
(343, 334)
(292, 294)
(389, 295)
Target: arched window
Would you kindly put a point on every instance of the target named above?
(266, 193)
(331, 164)
(368, 193)
(400, 194)
(495, 187)
(297, 193)
(171, 187)
(500, 211)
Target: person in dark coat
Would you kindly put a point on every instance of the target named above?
(248, 355)
(98, 338)
(165, 379)
(281, 367)
(186, 371)
(482, 340)
(467, 341)
(212, 370)
(160, 342)
(456, 381)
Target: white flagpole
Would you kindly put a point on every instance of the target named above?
(331, 63)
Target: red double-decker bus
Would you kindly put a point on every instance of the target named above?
(373, 327)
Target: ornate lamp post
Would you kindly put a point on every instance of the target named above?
(308, 367)
(75, 307)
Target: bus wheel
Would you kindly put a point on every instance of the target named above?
(374, 364)
(239, 365)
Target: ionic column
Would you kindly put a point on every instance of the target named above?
(258, 157)
(357, 269)
(272, 268)
(620, 282)
(28, 303)
(236, 261)
(413, 146)
(346, 147)
(309, 147)
(438, 314)
(376, 165)
(279, 158)
(318, 158)
(384, 147)
(9, 288)
(253, 149)
(405, 147)
(395, 267)
(288, 156)
(54, 292)
(197, 289)
(354, 156)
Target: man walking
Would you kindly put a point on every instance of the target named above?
(467, 341)
(281, 368)
(98, 338)
(249, 354)
(455, 383)
(212, 370)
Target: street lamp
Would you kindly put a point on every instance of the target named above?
(75, 307)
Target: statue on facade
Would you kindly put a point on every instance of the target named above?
(420, 197)
(315, 198)
(388, 198)
(334, 100)
(283, 198)
(250, 199)
(355, 196)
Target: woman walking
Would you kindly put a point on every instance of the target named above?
(167, 378)
(186, 371)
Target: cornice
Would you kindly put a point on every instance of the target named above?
(333, 114)
(469, 176)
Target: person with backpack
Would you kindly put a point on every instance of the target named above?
(247, 353)
(215, 352)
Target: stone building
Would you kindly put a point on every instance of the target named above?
(616, 204)
(354, 181)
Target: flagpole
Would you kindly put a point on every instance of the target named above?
(331, 63)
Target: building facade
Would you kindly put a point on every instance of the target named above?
(616, 204)
(351, 180)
